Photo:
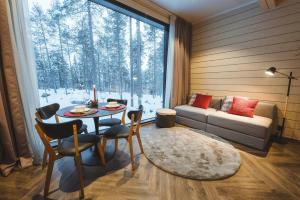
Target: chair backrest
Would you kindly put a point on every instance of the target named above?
(136, 113)
(59, 130)
(48, 111)
(135, 117)
(120, 101)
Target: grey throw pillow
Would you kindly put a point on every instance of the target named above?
(192, 99)
(227, 103)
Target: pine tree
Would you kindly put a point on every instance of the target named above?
(131, 62)
(139, 63)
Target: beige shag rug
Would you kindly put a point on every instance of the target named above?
(190, 153)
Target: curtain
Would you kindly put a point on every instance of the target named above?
(23, 53)
(181, 67)
(12, 135)
(18, 91)
(170, 62)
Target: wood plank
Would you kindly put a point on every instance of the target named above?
(267, 49)
(288, 65)
(263, 4)
(245, 82)
(255, 20)
(227, 19)
(275, 176)
(265, 26)
(240, 74)
(268, 57)
(235, 16)
(270, 89)
(273, 32)
(248, 45)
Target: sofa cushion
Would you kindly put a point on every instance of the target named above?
(198, 114)
(192, 99)
(243, 107)
(227, 103)
(202, 101)
(215, 103)
(257, 126)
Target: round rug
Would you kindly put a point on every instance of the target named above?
(190, 153)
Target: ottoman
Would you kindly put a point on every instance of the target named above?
(165, 118)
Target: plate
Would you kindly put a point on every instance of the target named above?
(112, 106)
(85, 110)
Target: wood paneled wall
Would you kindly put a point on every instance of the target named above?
(231, 52)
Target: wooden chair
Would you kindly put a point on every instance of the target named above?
(47, 112)
(122, 131)
(114, 121)
(67, 147)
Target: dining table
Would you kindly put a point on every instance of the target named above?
(92, 158)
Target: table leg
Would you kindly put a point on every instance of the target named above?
(92, 158)
(96, 122)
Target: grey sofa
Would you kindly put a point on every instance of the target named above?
(253, 132)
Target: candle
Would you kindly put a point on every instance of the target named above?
(94, 89)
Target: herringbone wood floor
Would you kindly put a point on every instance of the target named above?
(276, 176)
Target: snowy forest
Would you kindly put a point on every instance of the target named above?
(79, 43)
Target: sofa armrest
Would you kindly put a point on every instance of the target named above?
(268, 110)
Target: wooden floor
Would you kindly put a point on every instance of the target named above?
(276, 176)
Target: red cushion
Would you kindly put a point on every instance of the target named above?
(243, 107)
(202, 101)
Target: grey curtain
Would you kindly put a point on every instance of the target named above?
(13, 139)
(181, 70)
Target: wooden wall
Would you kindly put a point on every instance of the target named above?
(231, 52)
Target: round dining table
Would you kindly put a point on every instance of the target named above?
(91, 158)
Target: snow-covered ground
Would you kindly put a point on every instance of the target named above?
(149, 102)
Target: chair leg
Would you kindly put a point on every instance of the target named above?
(101, 153)
(131, 153)
(116, 145)
(45, 156)
(79, 169)
(48, 175)
(104, 144)
(140, 142)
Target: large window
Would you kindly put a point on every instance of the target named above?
(79, 43)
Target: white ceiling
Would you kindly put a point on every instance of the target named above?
(197, 10)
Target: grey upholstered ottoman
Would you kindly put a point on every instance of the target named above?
(165, 118)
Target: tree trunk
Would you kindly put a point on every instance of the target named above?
(108, 69)
(139, 63)
(44, 72)
(62, 57)
(99, 73)
(46, 48)
(131, 66)
(92, 67)
(154, 66)
(70, 64)
(119, 59)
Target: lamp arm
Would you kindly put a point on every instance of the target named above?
(286, 75)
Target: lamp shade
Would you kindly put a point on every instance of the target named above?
(271, 71)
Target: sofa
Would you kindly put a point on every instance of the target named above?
(253, 132)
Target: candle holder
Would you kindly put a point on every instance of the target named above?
(93, 103)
